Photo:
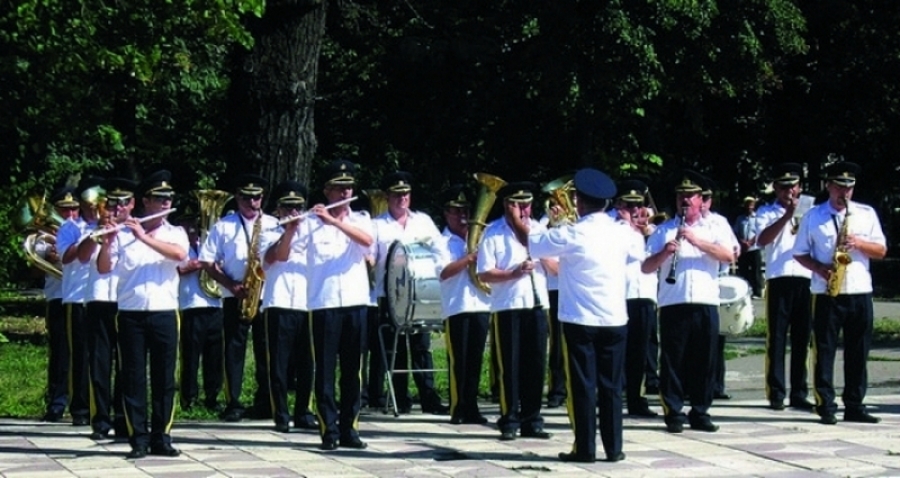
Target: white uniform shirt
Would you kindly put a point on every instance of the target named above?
(337, 265)
(101, 287)
(458, 293)
(593, 256)
(735, 246)
(419, 228)
(779, 254)
(147, 280)
(228, 244)
(552, 280)
(696, 274)
(190, 294)
(52, 285)
(285, 285)
(818, 237)
(499, 249)
(75, 274)
(637, 284)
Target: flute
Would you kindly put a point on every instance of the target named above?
(670, 279)
(119, 227)
(307, 213)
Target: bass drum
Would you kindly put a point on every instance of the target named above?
(412, 286)
(735, 306)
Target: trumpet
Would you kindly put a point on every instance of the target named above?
(670, 278)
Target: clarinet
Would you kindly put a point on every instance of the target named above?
(670, 279)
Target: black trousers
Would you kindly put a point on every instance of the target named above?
(373, 393)
(688, 339)
(57, 358)
(521, 343)
(639, 353)
(596, 361)
(749, 267)
(556, 386)
(852, 314)
(719, 368)
(79, 371)
(787, 312)
(154, 333)
(338, 336)
(106, 386)
(466, 335)
(201, 336)
(235, 334)
(290, 352)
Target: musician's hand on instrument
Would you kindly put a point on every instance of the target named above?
(237, 290)
(823, 270)
(850, 242)
(672, 247)
(471, 258)
(527, 266)
(688, 234)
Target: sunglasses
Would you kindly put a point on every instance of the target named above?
(114, 202)
(254, 197)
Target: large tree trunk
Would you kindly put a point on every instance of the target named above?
(274, 92)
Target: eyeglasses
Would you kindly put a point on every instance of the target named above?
(254, 197)
(161, 199)
(117, 202)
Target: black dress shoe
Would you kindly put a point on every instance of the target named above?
(436, 409)
(404, 409)
(555, 402)
(651, 390)
(777, 405)
(232, 416)
(674, 427)
(52, 417)
(136, 453)
(802, 404)
(860, 417)
(614, 458)
(576, 458)
(476, 419)
(539, 433)
(328, 444)
(507, 436)
(354, 443)
(165, 450)
(282, 428)
(643, 412)
(456, 420)
(100, 435)
(306, 423)
(828, 419)
(704, 426)
(721, 396)
(80, 421)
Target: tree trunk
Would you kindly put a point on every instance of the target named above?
(274, 92)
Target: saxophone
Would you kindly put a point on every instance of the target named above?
(254, 275)
(841, 258)
(490, 184)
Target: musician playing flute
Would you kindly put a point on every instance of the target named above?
(144, 256)
(687, 250)
(838, 238)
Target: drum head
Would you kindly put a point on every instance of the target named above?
(399, 284)
(732, 289)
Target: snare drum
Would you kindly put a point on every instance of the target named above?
(412, 285)
(735, 306)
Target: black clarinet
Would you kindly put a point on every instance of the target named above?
(670, 279)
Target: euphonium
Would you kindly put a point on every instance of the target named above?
(253, 275)
(841, 258)
(38, 216)
(561, 191)
(487, 194)
(211, 203)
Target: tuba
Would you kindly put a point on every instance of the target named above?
(487, 195)
(253, 275)
(561, 191)
(211, 203)
(36, 215)
(841, 258)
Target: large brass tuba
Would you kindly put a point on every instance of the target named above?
(37, 216)
(211, 204)
(487, 195)
(561, 191)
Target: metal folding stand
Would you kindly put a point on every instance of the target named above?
(390, 361)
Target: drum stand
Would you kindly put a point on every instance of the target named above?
(390, 361)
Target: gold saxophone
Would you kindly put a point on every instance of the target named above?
(211, 203)
(561, 191)
(38, 216)
(254, 274)
(487, 194)
(841, 258)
